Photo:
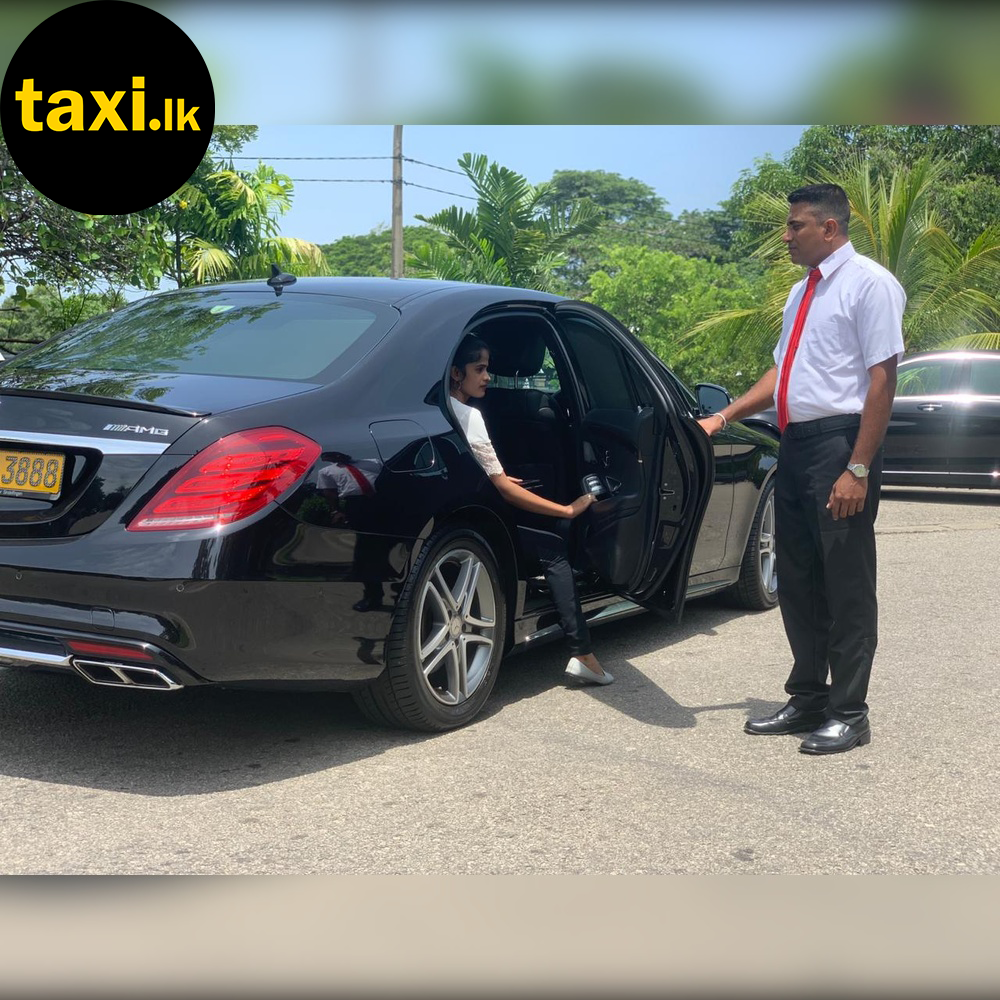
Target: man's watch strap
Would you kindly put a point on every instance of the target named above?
(858, 469)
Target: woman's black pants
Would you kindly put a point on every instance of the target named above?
(546, 541)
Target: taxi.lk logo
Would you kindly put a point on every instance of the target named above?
(107, 107)
(69, 110)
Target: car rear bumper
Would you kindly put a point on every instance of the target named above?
(275, 602)
(112, 664)
(167, 635)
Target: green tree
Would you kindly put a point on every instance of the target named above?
(660, 296)
(619, 199)
(510, 238)
(231, 139)
(966, 195)
(632, 214)
(42, 241)
(768, 177)
(951, 292)
(224, 224)
(371, 253)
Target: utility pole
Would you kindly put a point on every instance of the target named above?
(397, 201)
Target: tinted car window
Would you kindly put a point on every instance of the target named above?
(251, 334)
(984, 377)
(689, 398)
(547, 377)
(924, 378)
(600, 364)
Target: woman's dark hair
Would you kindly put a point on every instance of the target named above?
(469, 351)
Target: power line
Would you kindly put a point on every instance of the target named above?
(406, 159)
(367, 180)
(449, 170)
(309, 158)
(370, 180)
(468, 197)
(340, 180)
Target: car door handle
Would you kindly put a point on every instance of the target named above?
(930, 407)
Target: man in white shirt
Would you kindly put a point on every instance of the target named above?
(833, 383)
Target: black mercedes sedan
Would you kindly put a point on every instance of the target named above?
(945, 427)
(945, 423)
(263, 484)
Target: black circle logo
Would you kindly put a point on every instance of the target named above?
(107, 107)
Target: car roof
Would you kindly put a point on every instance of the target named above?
(391, 291)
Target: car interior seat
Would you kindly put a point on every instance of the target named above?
(525, 421)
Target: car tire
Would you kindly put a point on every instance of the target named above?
(757, 587)
(446, 640)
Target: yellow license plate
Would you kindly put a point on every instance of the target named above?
(31, 473)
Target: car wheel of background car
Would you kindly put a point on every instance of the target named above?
(757, 587)
(446, 640)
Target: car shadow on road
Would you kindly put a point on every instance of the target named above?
(633, 693)
(59, 729)
(62, 730)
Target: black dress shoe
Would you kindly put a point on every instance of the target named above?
(836, 737)
(786, 720)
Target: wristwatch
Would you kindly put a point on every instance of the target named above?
(858, 469)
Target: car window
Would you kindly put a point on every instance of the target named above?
(680, 387)
(550, 372)
(642, 393)
(225, 332)
(984, 376)
(923, 378)
(547, 377)
(600, 364)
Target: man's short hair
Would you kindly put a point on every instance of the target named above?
(828, 201)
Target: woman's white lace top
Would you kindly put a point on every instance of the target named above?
(474, 427)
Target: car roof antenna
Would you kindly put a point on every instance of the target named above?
(279, 279)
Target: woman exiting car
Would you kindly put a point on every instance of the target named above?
(545, 522)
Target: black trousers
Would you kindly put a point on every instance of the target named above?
(546, 542)
(826, 570)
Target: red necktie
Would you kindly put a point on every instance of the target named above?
(793, 346)
(360, 478)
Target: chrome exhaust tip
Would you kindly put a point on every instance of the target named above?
(125, 675)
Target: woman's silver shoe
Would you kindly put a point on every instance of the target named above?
(579, 670)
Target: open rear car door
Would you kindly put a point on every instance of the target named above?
(651, 466)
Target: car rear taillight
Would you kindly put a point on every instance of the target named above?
(230, 480)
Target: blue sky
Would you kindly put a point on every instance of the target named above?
(690, 166)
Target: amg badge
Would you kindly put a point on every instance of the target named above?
(137, 429)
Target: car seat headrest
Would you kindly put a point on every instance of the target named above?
(516, 352)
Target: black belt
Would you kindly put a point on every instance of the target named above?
(823, 425)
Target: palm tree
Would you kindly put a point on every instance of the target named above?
(952, 295)
(510, 239)
(226, 226)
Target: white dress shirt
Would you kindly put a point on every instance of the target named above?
(336, 476)
(855, 320)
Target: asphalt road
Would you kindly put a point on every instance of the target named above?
(652, 774)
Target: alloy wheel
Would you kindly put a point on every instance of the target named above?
(766, 558)
(457, 615)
